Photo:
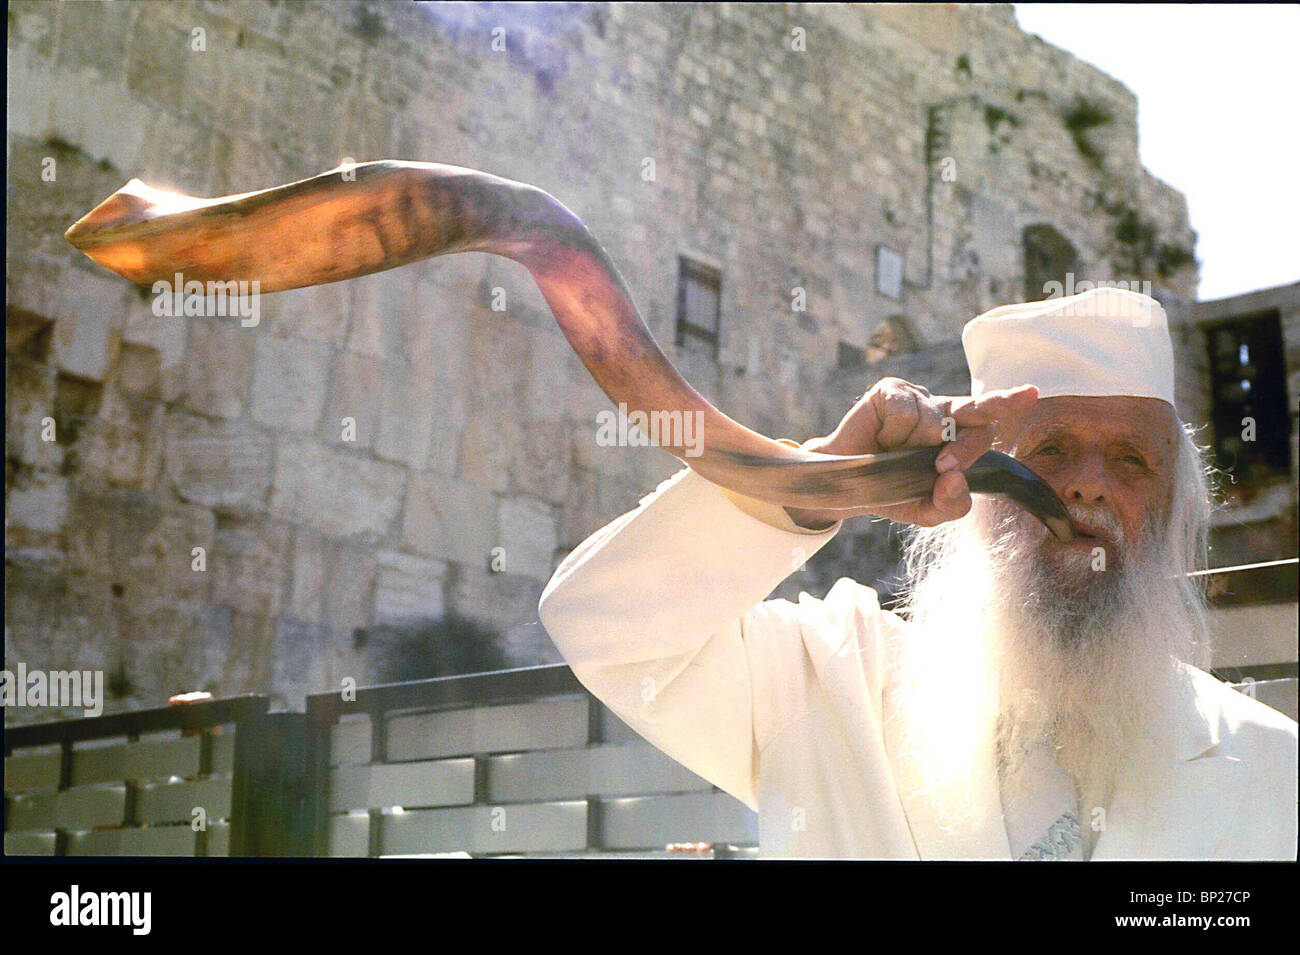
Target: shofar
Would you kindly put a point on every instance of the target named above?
(369, 217)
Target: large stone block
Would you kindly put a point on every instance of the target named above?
(306, 589)
(248, 563)
(123, 444)
(487, 448)
(123, 539)
(103, 119)
(344, 495)
(29, 400)
(164, 334)
(300, 660)
(450, 519)
(375, 323)
(247, 664)
(318, 313)
(349, 587)
(139, 371)
(218, 367)
(223, 464)
(593, 501)
(407, 588)
(36, 511)
(87, 334)
(528, 536)
(356, 392)
(410, 406)
(540, 465)
(504, 600)
(289, 378)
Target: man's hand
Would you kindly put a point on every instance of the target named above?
(897, 414)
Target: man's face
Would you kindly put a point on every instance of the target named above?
(1103, 456)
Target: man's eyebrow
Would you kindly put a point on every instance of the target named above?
(1140, 443)
(1050, 432)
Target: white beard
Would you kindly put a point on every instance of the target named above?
(1021, 642)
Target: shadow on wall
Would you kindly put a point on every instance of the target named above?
(421, 649)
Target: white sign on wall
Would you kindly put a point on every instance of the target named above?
(889, 272)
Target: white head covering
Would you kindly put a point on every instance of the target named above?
(1106, 341)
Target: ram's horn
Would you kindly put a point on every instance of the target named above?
(369, 217)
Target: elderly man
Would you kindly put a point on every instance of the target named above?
(1034, 699)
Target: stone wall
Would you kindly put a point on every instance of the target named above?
(787, 143)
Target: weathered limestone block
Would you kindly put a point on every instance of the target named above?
(410, 404)
(593, 501)
(101, 118)
(218, 463)
(248, 563)
(29, 394)
(528, 536)
(375, 324)
(247, 666)
(356, 392)
(219, 367)
(139, 371)
(447, 426)
(36, 512)
(125, 539)
(306, 590)
(123, 444)
(450, 519)
(349, 587)
(343, 495)
(289, 378)
(485, 451)
(162, 641)
(318, 313)
(300, 660)
(407, 588)
(87, 333)
(504, 599)
(539, 466)
(165, 336)
(212, 635)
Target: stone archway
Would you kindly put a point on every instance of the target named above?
(1048, 257)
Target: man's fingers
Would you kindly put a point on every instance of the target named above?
(987, 408)
(951, 500)
(966, 449)
(899, 411)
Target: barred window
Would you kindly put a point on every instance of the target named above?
(1248, 389)
(699, 303)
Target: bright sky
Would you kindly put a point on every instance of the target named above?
(1217, 88)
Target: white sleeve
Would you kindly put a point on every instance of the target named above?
(658, 614)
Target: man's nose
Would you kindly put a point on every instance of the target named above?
(1087, 483)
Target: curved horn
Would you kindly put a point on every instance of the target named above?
(370, 217)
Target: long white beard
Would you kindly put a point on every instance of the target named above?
(1019, 643)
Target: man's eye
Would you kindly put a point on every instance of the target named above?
(1134, 459)
(1049, 449)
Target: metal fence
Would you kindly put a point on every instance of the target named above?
(515, 763)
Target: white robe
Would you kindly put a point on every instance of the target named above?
(661, 615)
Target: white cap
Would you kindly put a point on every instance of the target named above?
(1106, 341)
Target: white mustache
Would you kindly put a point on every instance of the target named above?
(1099, 517)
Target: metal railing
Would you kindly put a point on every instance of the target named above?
(511, 763)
